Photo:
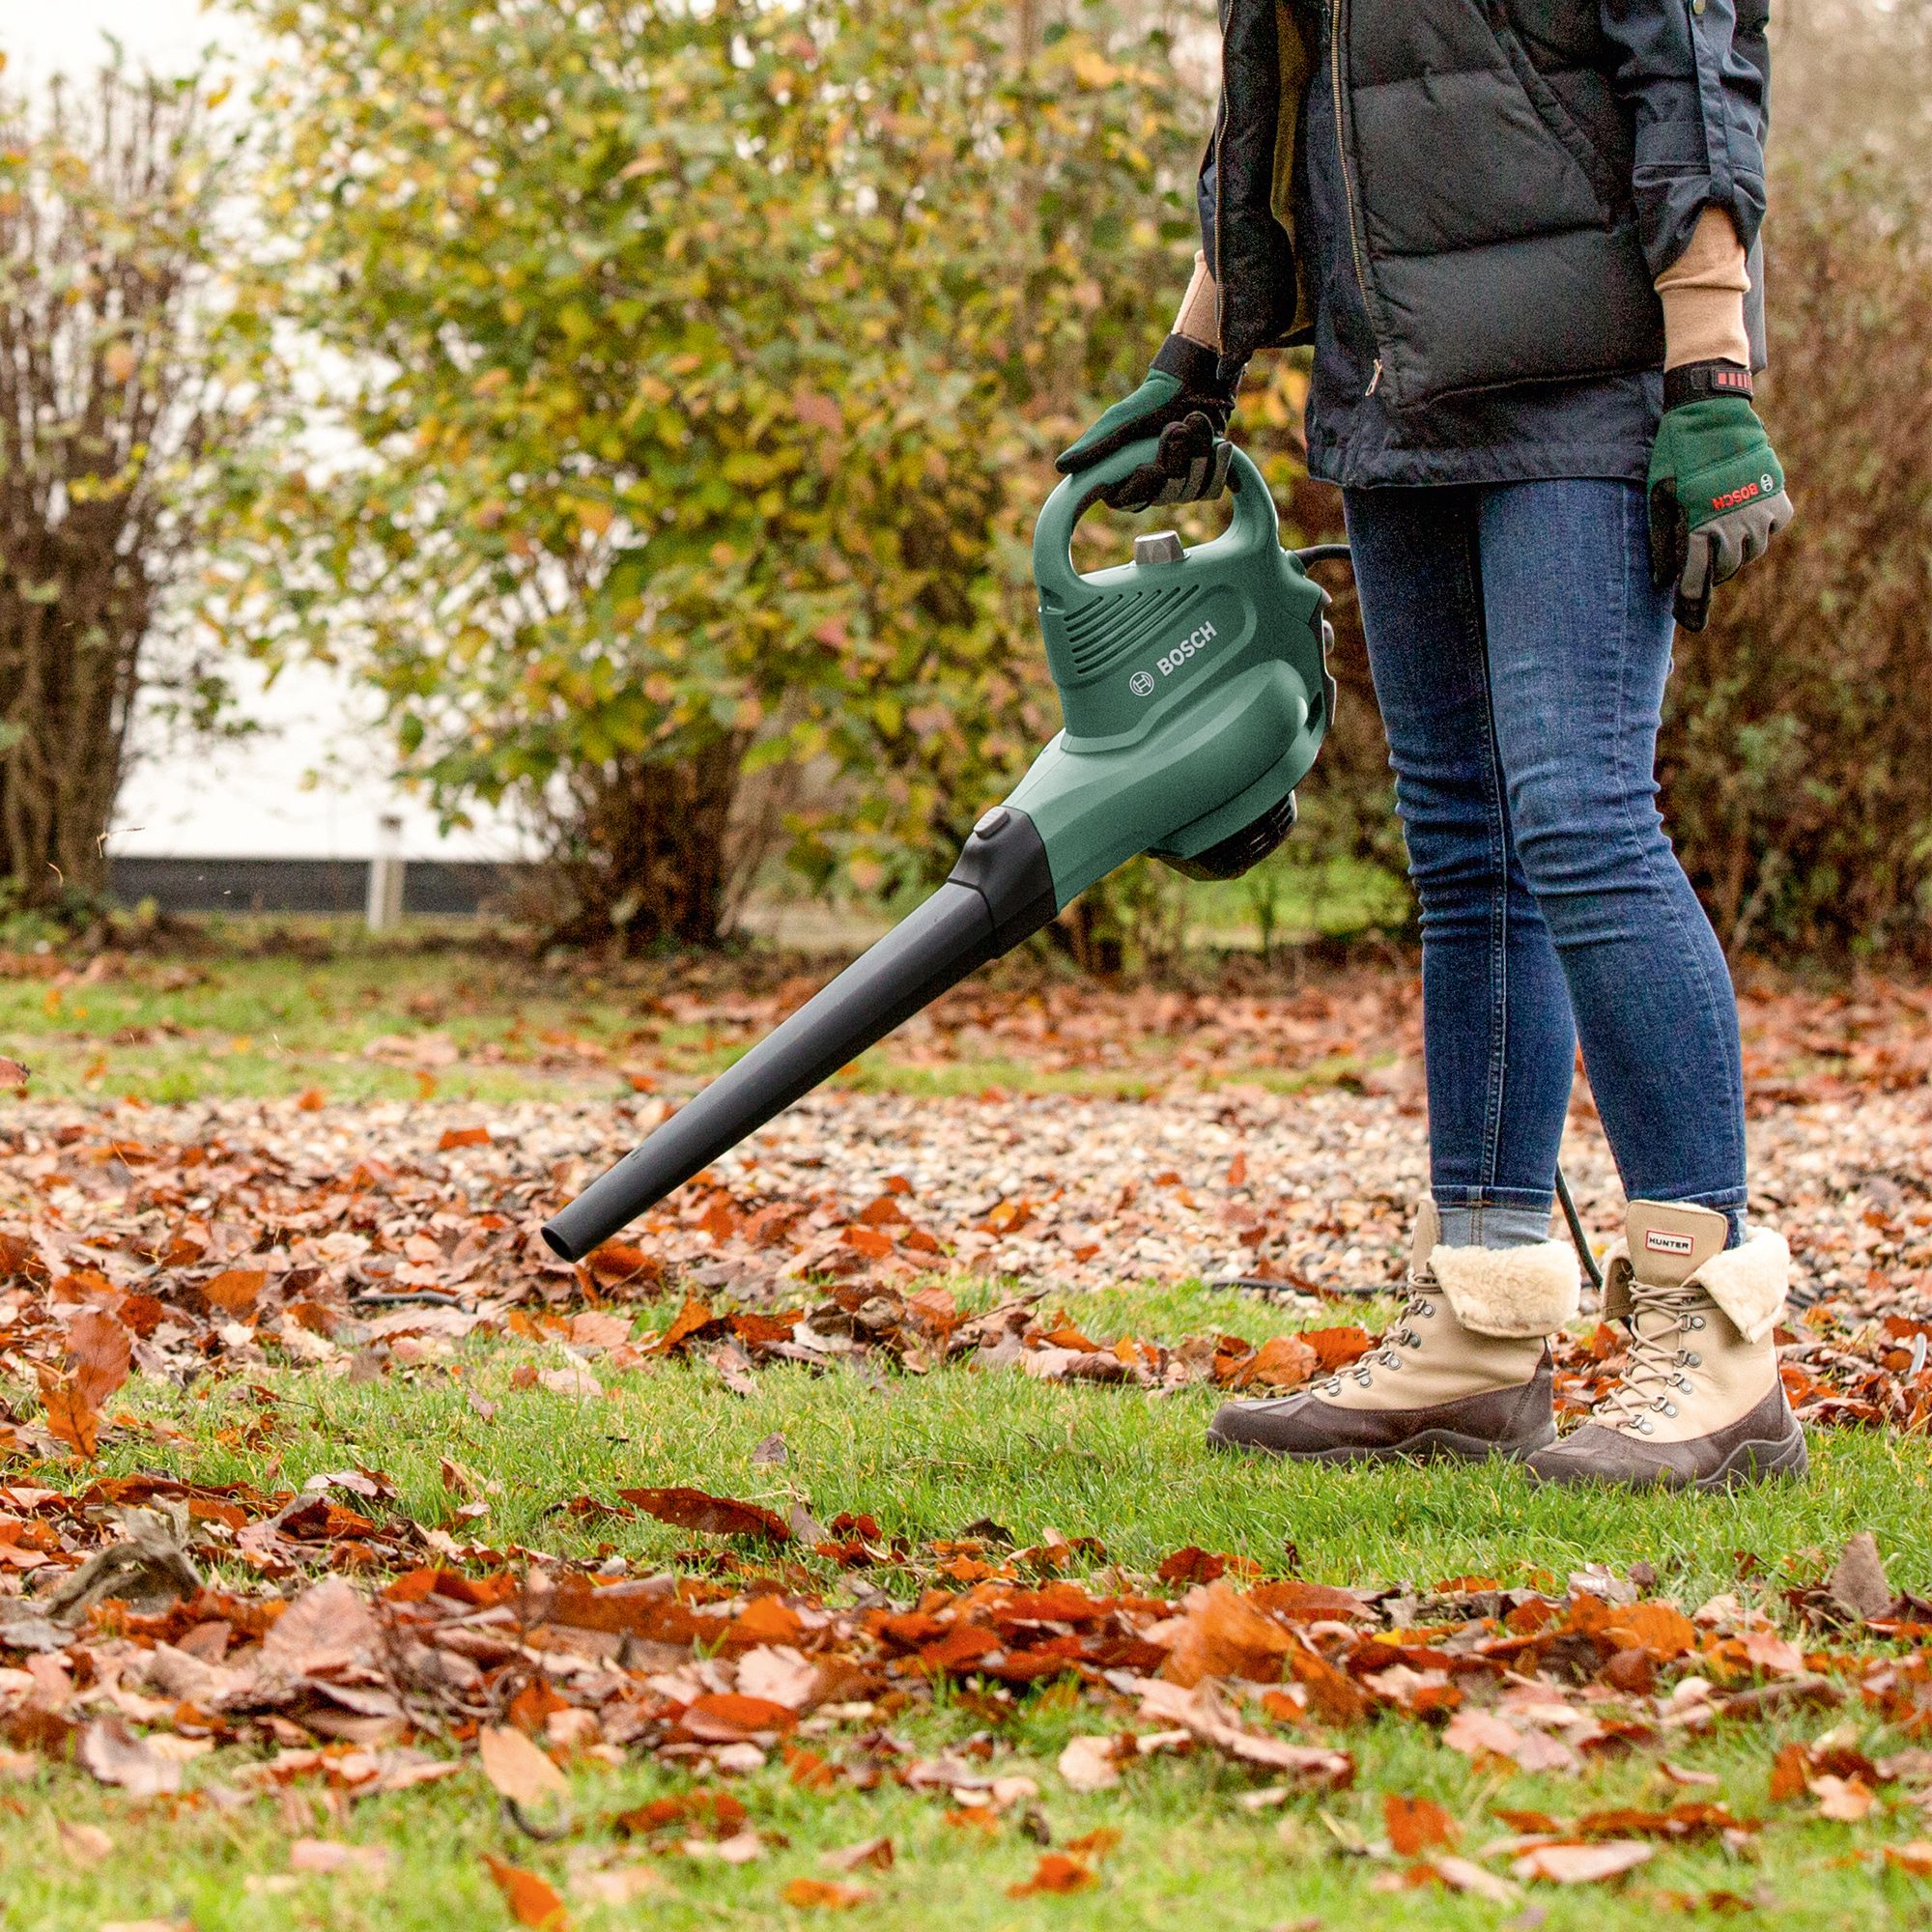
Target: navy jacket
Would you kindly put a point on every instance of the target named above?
(1463, 205)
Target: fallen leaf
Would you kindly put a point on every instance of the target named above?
(327, 1628)
(1858, 1580)
(1844, 1799)
(778, 1673)
(234, 1291)
(71, 1418)
(100, 1347)
(532, 1900)
(726, 1717)
(1790, 1774)
(1914, 1858)
(1581, 1864)
(1479, 1733)
(462, 1137)
(1461, 1874)
(1054, 1872)
(873, 1852)
(115, 1755)
(1088, 1764)
(714, 1515)
(1415, 1824)
(824, 1893)
(519, 1770)
(1222, 1634)
(1200, 1712)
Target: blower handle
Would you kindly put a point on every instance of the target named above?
(1253, 524)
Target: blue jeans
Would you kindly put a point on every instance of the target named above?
(1520, 654)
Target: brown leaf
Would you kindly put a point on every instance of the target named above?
(1281, 1362)
(1222, 1634)
(1054, 1872)
(1844, 1799)
(1466, 1875)
(1582, 1864)
(518, 1769)
(71, 1418)
(728, 1716)
(462, 1137)
(619, 1262)
(1090, 1764)
(1858, 1581)
(1790, 1772)
(1201, 1713)
(688, 1321)
(1337, 1348)
(115, 1755)
(13, 1072)
(1662, 1630)
(100, 1347)
(875, 1854)
(327, 1626)
(714, 1515)
(1914, 1858)
(532, 1902)
(825, 1894)
(234, 1290)
(1414, 1824)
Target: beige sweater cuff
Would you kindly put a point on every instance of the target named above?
(1200, 317)
(1703, 296)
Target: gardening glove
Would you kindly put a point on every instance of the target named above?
(1717, 490)
(1186, 404)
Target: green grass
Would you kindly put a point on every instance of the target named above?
(926, 1456)
(244, 1016)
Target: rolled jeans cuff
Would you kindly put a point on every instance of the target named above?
(1492, 1217)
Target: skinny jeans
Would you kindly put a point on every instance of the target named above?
(1520, 653)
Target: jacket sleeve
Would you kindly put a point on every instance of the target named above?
(1695, 78)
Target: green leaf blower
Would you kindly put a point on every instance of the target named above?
(1196, 693)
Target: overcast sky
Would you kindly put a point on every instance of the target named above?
(256, 798)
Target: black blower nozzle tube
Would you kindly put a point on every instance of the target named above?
(999, 893)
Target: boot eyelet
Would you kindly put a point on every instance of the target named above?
(1692, 1359)
(1670, 1408)
(1643, 1425)
(1695, 1321)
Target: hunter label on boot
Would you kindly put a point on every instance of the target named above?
(1660, 1243)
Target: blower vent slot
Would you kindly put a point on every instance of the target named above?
(1120, 622)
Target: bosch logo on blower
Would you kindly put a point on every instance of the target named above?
(1142, 683)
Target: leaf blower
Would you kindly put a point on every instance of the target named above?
(1196, 693)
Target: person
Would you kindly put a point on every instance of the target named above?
(1522, 239)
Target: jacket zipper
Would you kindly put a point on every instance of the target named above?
(1335, 31)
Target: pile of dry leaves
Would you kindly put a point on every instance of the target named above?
(134, 1667)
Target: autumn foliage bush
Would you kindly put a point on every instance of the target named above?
(701, 371)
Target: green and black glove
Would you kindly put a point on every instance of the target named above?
(1717, 490)
(1185, 402)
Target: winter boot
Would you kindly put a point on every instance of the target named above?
(1698, 1402)
(1464, 1372)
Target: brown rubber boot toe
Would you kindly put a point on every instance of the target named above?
(1769, 1442)
(1512, 1422)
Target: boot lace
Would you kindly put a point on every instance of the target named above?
(1660, 1326)
(1423, 1291)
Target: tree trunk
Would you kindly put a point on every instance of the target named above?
(646, 858)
